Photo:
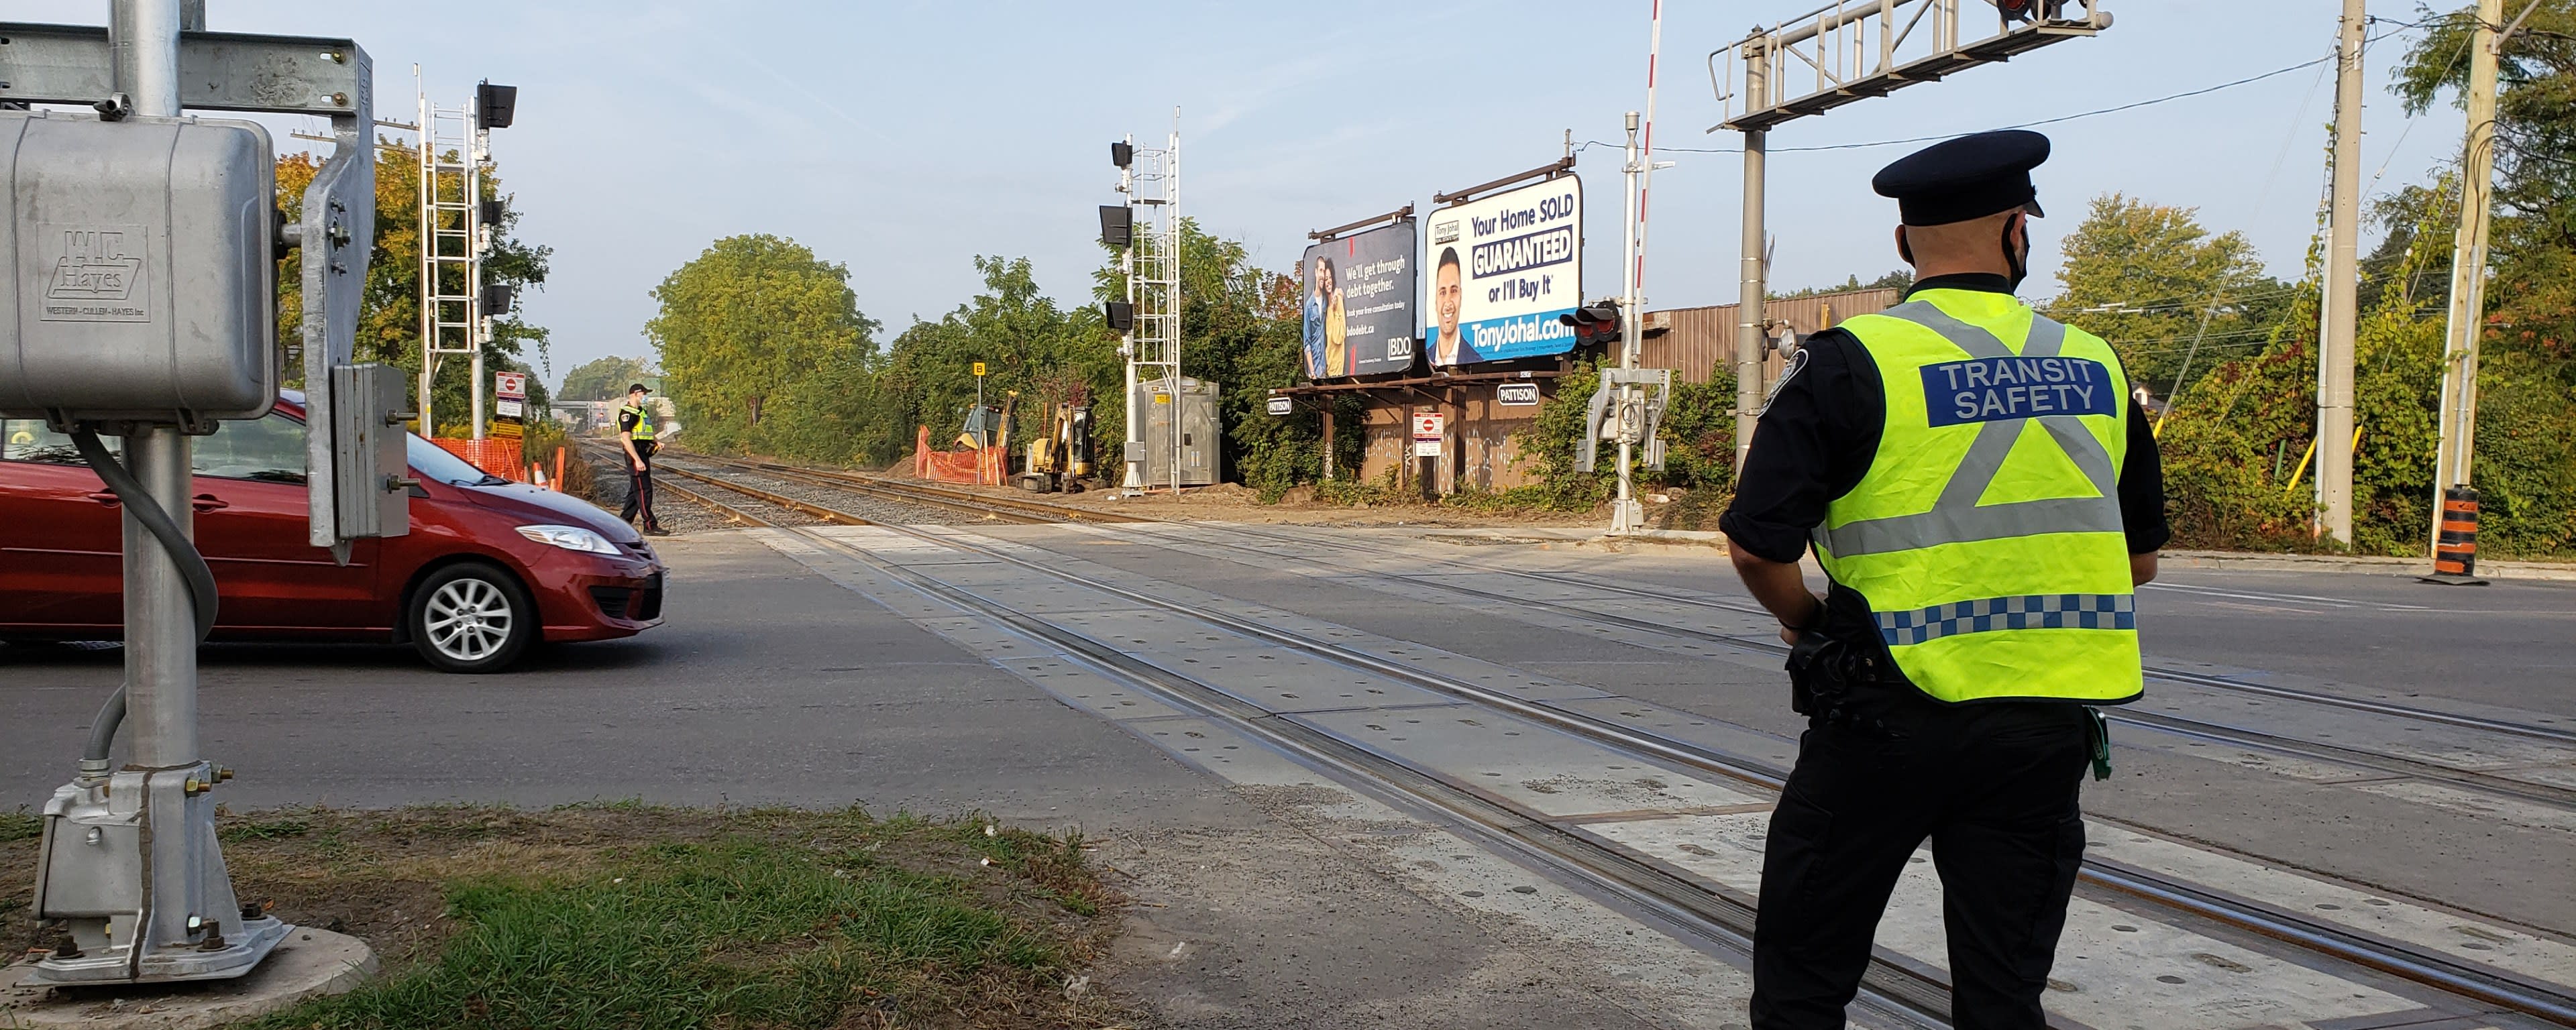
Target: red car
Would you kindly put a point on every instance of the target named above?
(490, 568)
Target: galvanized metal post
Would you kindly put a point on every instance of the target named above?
(1131, 479)
(2342, 289)
(477, 241)
(1624, 515)
(1749, 341)
(160, 620)
(1172, 243)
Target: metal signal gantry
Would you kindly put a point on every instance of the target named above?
(1854, 49)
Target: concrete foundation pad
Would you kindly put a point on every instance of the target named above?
(310, 963)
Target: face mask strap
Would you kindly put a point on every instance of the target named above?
(2013, 257)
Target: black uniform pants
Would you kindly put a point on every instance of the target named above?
(639, 487)
(1993, 786)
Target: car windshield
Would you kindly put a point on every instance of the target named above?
(434, 463)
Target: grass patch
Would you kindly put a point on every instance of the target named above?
(20, 825)
(629, 915)
(264, 829)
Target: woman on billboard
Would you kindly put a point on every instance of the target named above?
(1317, 279)
(1337, 351)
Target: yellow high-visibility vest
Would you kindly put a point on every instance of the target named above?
(1986, 534)
(643, 420)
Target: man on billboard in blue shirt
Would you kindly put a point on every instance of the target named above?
(1448, 349)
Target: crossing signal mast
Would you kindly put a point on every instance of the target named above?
(1854, 50)
(457, 223)
(168, 328)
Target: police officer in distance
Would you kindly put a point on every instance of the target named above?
(1984, 496)
(635, 432)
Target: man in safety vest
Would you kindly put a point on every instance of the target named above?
(1984, 497)
(635, 431)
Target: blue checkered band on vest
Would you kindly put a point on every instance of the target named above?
(2037, 611)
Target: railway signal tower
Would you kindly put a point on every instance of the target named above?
(1151, 343)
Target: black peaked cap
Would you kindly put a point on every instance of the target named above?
(1964, 178)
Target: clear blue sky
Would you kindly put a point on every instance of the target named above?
(902, 138)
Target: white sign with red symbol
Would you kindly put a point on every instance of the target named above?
(510, 385)
(1428, 428)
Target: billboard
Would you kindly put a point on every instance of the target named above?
(1359, 295)
(1502, 269)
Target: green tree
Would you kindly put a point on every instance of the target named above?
(389, 320)
(604, 378)
(1897, 280)
(745, 322)
(1029, 346)
(2145, 277)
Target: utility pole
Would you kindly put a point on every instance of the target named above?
(2342, 288)
(2459, 405)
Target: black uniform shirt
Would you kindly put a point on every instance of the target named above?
(1821, 429)
(627, 417)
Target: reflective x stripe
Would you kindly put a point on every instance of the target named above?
(2037, 611)
(1957, 517)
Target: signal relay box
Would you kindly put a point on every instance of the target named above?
(140, 257)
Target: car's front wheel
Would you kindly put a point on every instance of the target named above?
(472, 618)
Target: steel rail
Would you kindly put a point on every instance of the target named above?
(2377, 761)
(2551, 734)
(1029, 511)
(719, 507)
(1060, 513)
(781, 500)
(2454, 976)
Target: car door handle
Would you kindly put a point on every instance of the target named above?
(206, 503)
(106, 497)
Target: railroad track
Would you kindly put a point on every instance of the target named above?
(1007, 509)
(2203, 729)
(1896, 990)
(2551, 734)
(2482, 781)
(1040, 511)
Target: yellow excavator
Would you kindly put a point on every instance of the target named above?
(1059, 456)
